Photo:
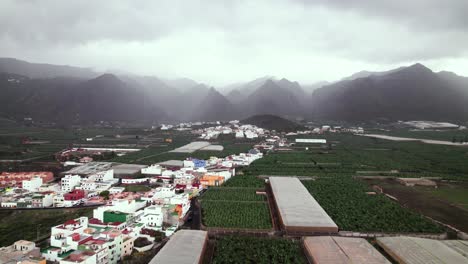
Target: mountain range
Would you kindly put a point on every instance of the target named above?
(69, 94)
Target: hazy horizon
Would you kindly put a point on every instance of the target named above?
(224, 42)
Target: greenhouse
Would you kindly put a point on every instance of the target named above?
(298, 210)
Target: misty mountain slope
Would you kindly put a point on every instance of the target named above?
(215, 107)
(272, 122)
(112, 99)
(68, 100)
(270, 98)
(235, 96)
(41, 70)
(413, 92)
(248, 88)
(158, 92)
(181, 84)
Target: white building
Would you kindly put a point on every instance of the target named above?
(69, 182)
(116, 190)
(119, 205)
(153, 217)
(152, 170)
(240, 134)
(33, 184)
(102, 176)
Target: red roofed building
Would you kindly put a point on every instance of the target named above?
(16, 178)
(74, 195)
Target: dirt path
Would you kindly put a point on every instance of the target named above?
(426, 204)
(427, 141)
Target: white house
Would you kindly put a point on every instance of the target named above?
(153, 217)
(103, 176)
(33, 184)
(116, 190)
(69, 182)
(152, 170)
(119, 205)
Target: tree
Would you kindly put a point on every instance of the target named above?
(105, 194)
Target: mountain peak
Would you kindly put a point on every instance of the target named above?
(419, 67)
(107, 77)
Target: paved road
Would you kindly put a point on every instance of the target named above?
(194, 217)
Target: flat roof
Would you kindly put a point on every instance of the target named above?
(297, 208)
(184, 247)
(213, 148)
(422, 250)
(331, 250)
(171, 163)
(191, 147)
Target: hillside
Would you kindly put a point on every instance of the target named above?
(270, 98)
(409, 93)
(272, 122)
(68, 100)
(42, 70)
(214, 107)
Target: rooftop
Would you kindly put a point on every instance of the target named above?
(185, 246)
(421, 250)
(327, 249)
(297, 208)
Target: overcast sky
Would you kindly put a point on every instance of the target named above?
(219, 41)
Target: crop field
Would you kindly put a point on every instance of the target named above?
(244, 181)
(235, 208)
(446, 135)
(232, 194)
(346, 154)
(153, 155)
(347, 203)
(47, 141)
(137, 188)
(33, 224)
(252, 250)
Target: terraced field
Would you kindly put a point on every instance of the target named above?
(225, 207)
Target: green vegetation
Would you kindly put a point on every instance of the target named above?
(33, 224)
(232, 194)
(19, 143)
(250, 215)
(137, 188)
(347, 203)
(272, 122)
(346, 154)
(238, 249)
(153, 155)
(244, 181)
(446, 135)
(235, 208)
(455, 194)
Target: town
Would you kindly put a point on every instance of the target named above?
(147, 212)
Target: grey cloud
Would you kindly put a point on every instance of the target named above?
(423, 14)
(222, 41)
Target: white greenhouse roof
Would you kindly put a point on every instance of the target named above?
(297, 207)
(184, 247)
(421, 250)
(328, 250)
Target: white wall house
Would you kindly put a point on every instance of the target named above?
(103, 176)
(119, 205)
(59, 233)
(69, 182)
(152, 170)
(33, 184)
(153, 217)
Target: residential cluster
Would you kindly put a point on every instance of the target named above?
(123, 221)
(233, 127)
(36, 189)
